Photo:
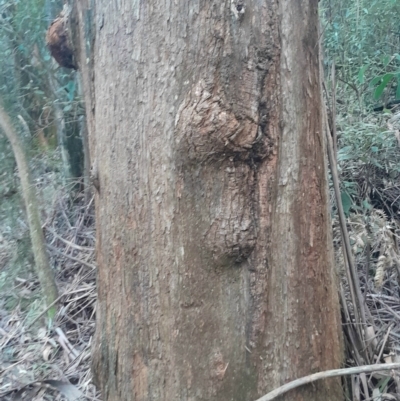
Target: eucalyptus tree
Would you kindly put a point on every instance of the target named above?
(216, 278)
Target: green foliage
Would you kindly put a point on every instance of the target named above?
(362, 38)
(368, 160)
(31, 86)
(361, 44)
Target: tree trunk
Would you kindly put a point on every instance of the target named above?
(81, 25)
(216, 277)
(61, 131)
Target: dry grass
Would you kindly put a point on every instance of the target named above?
(33, 354)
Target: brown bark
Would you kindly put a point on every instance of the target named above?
(216, 277)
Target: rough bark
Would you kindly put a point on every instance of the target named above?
(86, 159)
(216, 277)
(42, 264)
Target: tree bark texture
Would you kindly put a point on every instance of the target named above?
(216, 278)
(61, 131)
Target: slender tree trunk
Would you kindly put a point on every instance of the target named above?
(216, 278)
(43, 268)
(61, 131)
(86, 162)
(83, 121)
(82, 26)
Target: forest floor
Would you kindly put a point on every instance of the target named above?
(38, 361)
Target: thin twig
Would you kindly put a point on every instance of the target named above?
(53, 248)
(324, 375)
(384, 341)
(353, 277)
(69, 243)
(58, 299)
(334, 133)
(64, 342)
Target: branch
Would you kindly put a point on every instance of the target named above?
(323, 375)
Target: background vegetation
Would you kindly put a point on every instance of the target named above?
(361, 42)
(43, 101)
(34, 91)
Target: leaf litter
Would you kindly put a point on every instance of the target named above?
(39, 361)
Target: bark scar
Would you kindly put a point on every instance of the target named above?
(207, 128)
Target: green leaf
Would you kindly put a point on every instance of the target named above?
(70, 90)
(376, 163)
(385, 60)
(22, 48)
(361, 77)
(367, 205)
(374, 149)
(375, 81)
(346, 202)
(345, 153)
(385, 80)
(383, 383)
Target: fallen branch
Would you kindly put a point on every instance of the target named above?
(81, 261)
(324, 375)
